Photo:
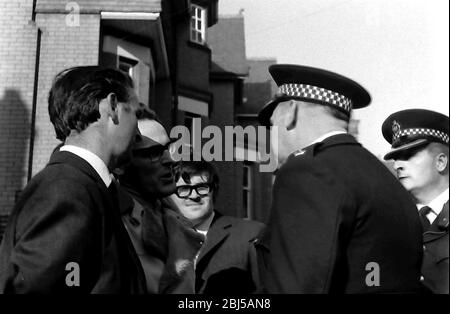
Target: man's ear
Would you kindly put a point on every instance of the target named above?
(441, 162)
(111, 104)
(291, 115)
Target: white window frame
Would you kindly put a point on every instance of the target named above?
(198, 24)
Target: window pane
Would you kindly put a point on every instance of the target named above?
(245, 201)
(245, 177)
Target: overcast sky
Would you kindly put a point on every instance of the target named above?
(397, 49)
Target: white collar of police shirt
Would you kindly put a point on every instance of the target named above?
(93, 160)
(436, 205)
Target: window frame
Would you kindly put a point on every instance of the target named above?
(247, 176)
(198, 34)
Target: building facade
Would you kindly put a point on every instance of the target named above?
(155, 41)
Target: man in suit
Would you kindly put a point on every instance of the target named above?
(163, 239)
(65, 234)
(340, 222)
(419, 141)
(226, 262)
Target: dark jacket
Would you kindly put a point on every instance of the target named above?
(435, 257)
(166, 243)
(339, 218)
(227, 263)
(66, 215)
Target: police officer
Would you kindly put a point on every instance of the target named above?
(340, 222)
(419, 141)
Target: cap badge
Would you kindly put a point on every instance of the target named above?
(395, 127)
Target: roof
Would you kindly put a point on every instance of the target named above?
(227, 42)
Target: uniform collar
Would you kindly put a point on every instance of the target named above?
(437, 204)
(327, 135)
(92, 159)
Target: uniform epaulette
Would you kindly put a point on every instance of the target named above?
(308, 151)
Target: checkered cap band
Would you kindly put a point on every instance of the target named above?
(421, 131)
(317, 93)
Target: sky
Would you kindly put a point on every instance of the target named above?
(397, 49)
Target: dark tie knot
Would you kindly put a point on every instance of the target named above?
(424, 211)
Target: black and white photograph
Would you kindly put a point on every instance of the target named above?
(224, 152)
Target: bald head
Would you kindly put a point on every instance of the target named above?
(154, 130)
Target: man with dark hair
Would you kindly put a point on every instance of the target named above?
(419, 141)
(226, 263)
(340, 223)
(65, 234)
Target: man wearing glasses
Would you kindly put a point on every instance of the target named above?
(161, 237)
(226, 262)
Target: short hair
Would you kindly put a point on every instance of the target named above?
(76, 92)
(187, 169)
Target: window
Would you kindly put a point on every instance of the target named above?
(127, 65)
(247, 191)
(198, 24)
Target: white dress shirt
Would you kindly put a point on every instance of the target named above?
(92, 159)
(436, 205)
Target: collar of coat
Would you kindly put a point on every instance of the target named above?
(75, 161)
(218, 232)
(335, 140)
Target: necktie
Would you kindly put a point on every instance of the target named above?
(423, 212)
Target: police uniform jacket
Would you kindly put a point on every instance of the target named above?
(227, 262)
(67, 215)
(435, 257)
(340, 223)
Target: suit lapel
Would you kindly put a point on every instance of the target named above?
(128, 258)
(219, 230)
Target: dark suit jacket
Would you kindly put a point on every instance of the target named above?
(435, 257)
(337, 209)
(165, 241)
(66, 214)
(227, 263)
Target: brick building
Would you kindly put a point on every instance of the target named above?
(160, 43)
(247, 85)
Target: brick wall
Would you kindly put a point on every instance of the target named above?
(18, 42)
(62, 46)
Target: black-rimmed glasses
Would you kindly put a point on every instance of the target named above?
(184, 191)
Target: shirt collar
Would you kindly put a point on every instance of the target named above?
(204, 226)
(92, 159)
(327, 135)
(438, 203)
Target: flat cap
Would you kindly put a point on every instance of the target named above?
(313, 85)
(412, 128)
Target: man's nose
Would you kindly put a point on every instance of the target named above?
(194, 195)
(398, 165)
